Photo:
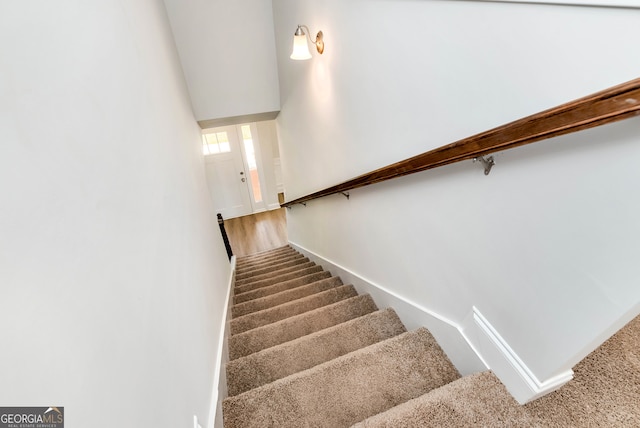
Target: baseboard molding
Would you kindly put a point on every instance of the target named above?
(523, 385)
(220, 375)
(448, 334)
(472, 347)
(275, 206)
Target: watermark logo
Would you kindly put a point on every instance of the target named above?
(32, 417)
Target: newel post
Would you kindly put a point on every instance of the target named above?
(225, 238)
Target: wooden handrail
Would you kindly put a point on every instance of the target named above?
(611, 105)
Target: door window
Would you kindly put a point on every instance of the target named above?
(250, 152)
(216, 142)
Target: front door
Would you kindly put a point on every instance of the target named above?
(226, 176)
(233, 167)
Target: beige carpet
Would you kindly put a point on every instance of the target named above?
(307, 351)
(605, 392)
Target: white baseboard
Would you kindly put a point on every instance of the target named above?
(220, 375)
(273, 206)
(486, 350)
(523, 385)
(448, 334)
(472, 347)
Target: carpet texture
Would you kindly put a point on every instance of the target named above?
(289, 309)
(307, 351)
(300, 325)
(249, 292)
(284, 296)
(605, 392)
(270, 264)
(289, 272)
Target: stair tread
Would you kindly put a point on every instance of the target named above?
(280, 286)
(299, 270)
(347, 389)
(264, 337)
(289, 309)
(268, 261)
(270, 266)
(472, 398)
(265, 252)
(308, 351)
(276, 271)
(272, 300)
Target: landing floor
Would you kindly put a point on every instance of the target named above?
(257, 232)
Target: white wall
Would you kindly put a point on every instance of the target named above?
(545, 246)
(227, 51)
(112, 269)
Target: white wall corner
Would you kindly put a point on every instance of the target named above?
(220, 374)
(519, 380)
(447, 333)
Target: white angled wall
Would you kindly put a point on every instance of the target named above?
(546, 246)
(112, 269)
(227, 51)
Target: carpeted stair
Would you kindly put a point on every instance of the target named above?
(307, 351)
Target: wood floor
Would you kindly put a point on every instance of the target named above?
(257, 232)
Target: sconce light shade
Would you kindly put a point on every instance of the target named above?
(300, 46)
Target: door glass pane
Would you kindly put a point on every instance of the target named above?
(217, 142)
(254, 179)
(209, 144)
(223, 142)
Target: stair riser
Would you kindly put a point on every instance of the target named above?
(290, 309)
(272, 265)
(345, 390)
(244, 269)
(306, 352)
(269, 253)
(284, 297)
(277, 288)
(255, 340)
(250, 265)
(239, 289)
(279, 270)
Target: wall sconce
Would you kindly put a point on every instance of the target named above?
(300, 46)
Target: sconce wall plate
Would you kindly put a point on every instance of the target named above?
(320, 42)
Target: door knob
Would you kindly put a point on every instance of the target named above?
(243, 180)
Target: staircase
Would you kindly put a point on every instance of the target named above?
(307, 350)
